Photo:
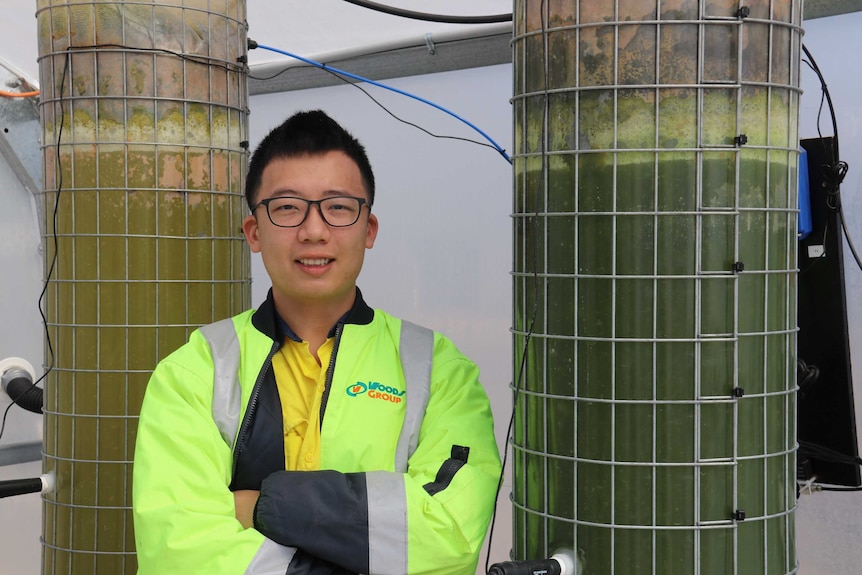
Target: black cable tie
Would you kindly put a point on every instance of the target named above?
(743, 12)
(738, 267)
(740, 140)
(738, 515)
(737, 392)
(242, 59)
(244, 144)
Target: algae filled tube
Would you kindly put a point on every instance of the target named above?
(144, 130)
(654, 281)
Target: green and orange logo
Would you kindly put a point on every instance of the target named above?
(376, 390)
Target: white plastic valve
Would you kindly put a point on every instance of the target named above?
(49, 482)
(566, 559)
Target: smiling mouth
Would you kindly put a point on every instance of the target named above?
(316, 262)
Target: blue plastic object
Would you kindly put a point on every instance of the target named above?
(804, 224)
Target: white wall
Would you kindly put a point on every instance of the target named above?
(21, 336)
(828, 524)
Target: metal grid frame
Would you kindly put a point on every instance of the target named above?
(537, 405)
(89, 434)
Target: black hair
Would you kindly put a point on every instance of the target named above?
(306, 133)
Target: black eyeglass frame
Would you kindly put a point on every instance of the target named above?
(309, 203)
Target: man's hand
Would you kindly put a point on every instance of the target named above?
(244, 502)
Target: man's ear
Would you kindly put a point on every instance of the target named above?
(251, 233)
(371, 231)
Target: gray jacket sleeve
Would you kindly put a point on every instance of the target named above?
(323, 513)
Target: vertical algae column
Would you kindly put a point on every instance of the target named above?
(144, 126)
(654, 282)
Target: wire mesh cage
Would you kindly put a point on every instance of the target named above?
(144, 133)
(654, 280)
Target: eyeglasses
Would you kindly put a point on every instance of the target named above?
(290, 212)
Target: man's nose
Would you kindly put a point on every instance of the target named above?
(314, 227)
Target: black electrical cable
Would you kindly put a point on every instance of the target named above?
(837, 169)
(822, 487)
(827, 454)
(824, 89)
(3, 423)
(213, 62)
(446, 19)
(807, 375)
(403, 121)
(55, 243)
(352, 79)
(29, 399)
(849, 239)
(13, 487)
(282, 71)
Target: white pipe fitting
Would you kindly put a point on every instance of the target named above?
(13, 366)
(566, 559)
(49, 482)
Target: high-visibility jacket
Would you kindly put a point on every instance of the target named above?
(409, 462)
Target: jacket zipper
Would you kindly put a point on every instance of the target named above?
(252, 405)
(330, 371)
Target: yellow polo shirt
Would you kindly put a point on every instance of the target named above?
(301, 379)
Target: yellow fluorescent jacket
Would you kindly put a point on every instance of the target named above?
(383, 502)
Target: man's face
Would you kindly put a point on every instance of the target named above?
(314, 263)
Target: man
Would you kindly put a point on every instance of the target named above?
(314, 434)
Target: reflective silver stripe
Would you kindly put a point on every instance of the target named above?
(271, 559)
(227, 393)
(417, 353)
(387, 523)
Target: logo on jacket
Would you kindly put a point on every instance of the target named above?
(376, 390)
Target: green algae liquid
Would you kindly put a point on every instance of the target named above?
(654, 287)
(143, 175)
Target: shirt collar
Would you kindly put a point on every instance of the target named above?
(265, 319)
(285, 330)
